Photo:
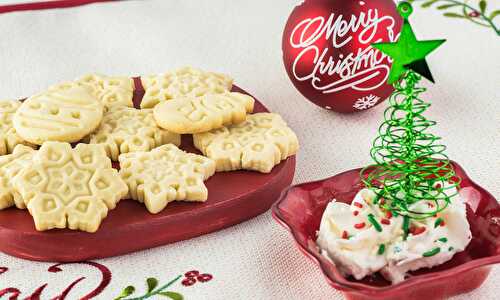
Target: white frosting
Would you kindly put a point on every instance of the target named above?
(358, 254)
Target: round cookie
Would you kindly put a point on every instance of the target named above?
(63, 115)
(202, 114)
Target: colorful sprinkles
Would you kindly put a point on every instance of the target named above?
(406, 226)
(416, 230)
(373, 221)
(359, 225)
(381, 249)
(385, 221)
(431, 252)
(358, 205)
(439, 222)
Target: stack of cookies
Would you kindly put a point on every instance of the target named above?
(75, 187)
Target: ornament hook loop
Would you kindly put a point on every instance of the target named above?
(405, 9)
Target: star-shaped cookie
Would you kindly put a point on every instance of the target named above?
(165, 174)
(125, 129)
(259, 143)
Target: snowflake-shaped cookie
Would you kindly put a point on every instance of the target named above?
(10, 166)
(125, 129)
(8, 135)
(111, 91)
(366, 102)
(259, 143)
(185, 81)
(165, 174)
(72, 188)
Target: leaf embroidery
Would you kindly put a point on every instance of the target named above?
(152, 284)
(129, 290)
(464, 10)
(153, 289)
(172, 295)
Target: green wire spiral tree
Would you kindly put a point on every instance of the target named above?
(410, 165)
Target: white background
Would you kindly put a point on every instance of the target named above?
(256, 259)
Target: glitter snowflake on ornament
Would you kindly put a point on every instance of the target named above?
(366, 102)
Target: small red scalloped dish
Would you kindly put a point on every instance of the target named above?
(233, 198)
(300, 209)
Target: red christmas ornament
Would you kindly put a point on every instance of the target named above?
(327, 52)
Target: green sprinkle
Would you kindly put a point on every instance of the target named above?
(450, 249)
(443, 239)
(377, 198)
(374, 222)
(438, 222)
(381, 249)
(406, 227)
(431, 252)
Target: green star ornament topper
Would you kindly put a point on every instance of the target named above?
(407, 52)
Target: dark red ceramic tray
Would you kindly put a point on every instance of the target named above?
(300, 209)
(233, 197)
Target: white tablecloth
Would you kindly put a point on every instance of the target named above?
(256, 259)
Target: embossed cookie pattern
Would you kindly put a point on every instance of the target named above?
(71, 188)
(204, 113)
(110, 91)
(10, 166)
(258, 144)
(8, 135)
(165, 174)
(182, 82)
(65, 115)
(125, 129)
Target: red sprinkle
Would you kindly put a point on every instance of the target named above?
(355, 213)
(430, 204)
(388, 214)
(382, 201)
(359, 225)
(442, 224)
(453, 179)
(357, 204)
(385, 221)
(438, 186)
(345, 235)
(416, 230)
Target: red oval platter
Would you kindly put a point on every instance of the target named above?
(301, 207)
(233, 197)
